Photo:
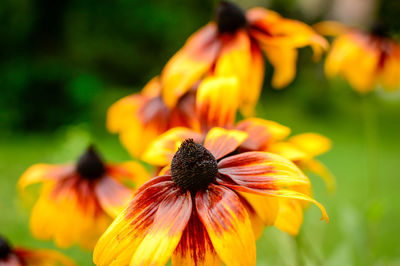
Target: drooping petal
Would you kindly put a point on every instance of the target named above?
(249, 96)
(121, 240)
(211, 110)
(311, 143)
(112, 195)
(41, 172)
(163, 236)
(261, 133)
(290, 216)
(227, 224)
(190, 63)
(322, 171)
(162, 149)
(261, 170)
(43, 257)
(284, 60)
(221, 142)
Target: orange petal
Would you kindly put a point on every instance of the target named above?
(330, 28)
(311, 143)
(261, 133)
(390, 74)
(162, 149)
(284, 61)
(211, 110)
(227, 224)
(189, 64)
(221, 142)
(195, 247)
(163, 236)
(43, 257)
(38, 173)
(112, 195)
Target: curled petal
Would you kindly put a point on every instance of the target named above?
(162, 149)
(221, 142)
(261, 133)
(211, 110)
(189, 64)
(227, 224)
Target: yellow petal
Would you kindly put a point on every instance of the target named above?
(290, 216)
(36, 173)
(311, 143)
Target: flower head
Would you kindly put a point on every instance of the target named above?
(78, 201)
(18, 256)
(365, 59)
(207, 207)
(232, 45)
(141, 117)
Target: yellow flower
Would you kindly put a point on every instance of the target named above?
(78, 202)
(233, 46)
(141, 117)
(19, 256)
(365, 59)
(262, 135)
(206, 209)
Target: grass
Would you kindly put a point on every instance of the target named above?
(363, 229)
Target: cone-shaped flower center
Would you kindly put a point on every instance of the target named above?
(5, 248)
(90, 164)
(229, 17)
(193, 167)
(379, 30)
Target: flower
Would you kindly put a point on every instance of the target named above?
(77, 202)
(233, 45)
(262, 135)
(365, 59)
(141, 117)
(206, 209)
(18, 256)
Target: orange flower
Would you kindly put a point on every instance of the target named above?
(78, 202)
(141, 117)
(206, 209)
(19, 256)
(365, 59)
(233, 45)
(262, 135)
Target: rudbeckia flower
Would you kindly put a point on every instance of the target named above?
(141, 117)
(204, 209)
(78, 201)
(262, 135)
(365, 59)
(232, 45)
(18, 256)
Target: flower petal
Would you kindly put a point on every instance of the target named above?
(40, 172)
(290, 216)
(211, 110)
(221, 142)
(265, 207)
(163, 236)
(163, 148)
(195, 247)
(311, 143)
(112, 195)
(322, 171)
(330, 28)
(42, 257)
(189, 64)
(129, 172)
(261, 133)
(228, 225)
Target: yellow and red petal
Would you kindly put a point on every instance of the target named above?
(130, 172)
(228, 225)
(390, 73)
(261, 170)
(311, 143)
(213, 112)
(220, 141)
(120, 241)
(112, 195)
(189, 64)
(261, 133)
(162, 149)
(195, 247)
(41, 172)
(43, 257)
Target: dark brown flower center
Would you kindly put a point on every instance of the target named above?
(229, 17)
(90, 165)
(5, 248)
(379, 30)
(193, 167)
